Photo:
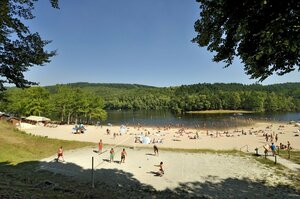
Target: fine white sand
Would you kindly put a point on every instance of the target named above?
(186, 171)
(171, 138)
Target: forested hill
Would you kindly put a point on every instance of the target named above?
(276, 97)
(108, 90)
(86, 101)
(291, 89)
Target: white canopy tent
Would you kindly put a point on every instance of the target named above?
(37, 118)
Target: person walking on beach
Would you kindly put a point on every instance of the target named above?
(112, 155)
(123, 154)
(60, 153)
(155, 149)
(100, 146)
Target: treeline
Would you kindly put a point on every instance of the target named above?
(86, 102)
(248, 100)
(63, 103)
(272, 98)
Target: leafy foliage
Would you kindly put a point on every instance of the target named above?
(277, 97)
(65, 103)
(19, 48)
(263, 34)
(87, 104)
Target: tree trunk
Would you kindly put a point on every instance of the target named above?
(63, 113)
(69, 115)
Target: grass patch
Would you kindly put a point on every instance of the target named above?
(219, 112)
(17, 146)
(294, 155)
(280, 170)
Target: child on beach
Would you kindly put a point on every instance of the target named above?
(60, 153)
(123, 154)
(112, 155)
(161, 171)
(100, 146)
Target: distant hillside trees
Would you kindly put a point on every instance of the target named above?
(85, 103)
(210, 97)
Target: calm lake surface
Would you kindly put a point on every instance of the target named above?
(163, 118)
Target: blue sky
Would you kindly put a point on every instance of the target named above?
(136, 41)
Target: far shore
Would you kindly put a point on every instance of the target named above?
(219, 112)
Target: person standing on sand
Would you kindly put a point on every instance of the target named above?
(123, 154)
(112, 155)
(289, 145)
(60, 153)
(155, 149)
(273, 148)
(100, 146)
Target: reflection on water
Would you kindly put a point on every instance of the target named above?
(222, 121)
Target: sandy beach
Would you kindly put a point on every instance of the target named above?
(187, 174)
(242, 138)
(203, 175)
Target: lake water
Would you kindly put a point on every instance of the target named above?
(163, 118)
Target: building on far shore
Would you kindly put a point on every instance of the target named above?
(14, 120)
(11, 119)
(4, 116)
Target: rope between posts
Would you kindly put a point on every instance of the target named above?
(118, 144)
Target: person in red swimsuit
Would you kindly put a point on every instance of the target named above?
(60, 153)
(100, 146)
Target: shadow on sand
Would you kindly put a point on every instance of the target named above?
(155, 173)
(40, 178)
(152, 154)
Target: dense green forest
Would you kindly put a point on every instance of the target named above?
(233, 96)
(88, 101)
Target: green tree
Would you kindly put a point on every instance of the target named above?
(63, 101)
(19, 48)
(30, 101)
(272, 103)
(263, 34)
